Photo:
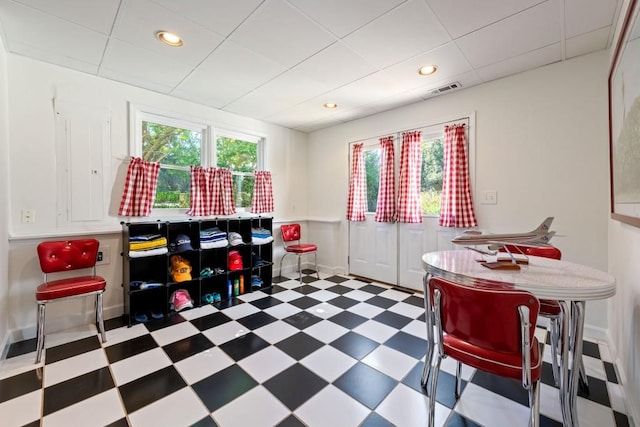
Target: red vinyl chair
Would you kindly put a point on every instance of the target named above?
(489, 328)
(67, 255)
(550, 308)
(291, 240)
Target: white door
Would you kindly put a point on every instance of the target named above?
(373, 250)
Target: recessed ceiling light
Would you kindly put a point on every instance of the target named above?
(330, 105)
(169, 38)
(427, 70)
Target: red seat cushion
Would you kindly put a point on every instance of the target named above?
(302, 248)
(499, 363)
(549, 307)
(70, 287)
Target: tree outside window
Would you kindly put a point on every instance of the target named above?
(431, 176)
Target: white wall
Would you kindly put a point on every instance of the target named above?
(32, 178)
(541, 143)
(4, 195)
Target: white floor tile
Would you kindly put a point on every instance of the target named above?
(328, 363)
(99, 410)
(394, 295)
(74, 366)
(324, 310)
(550, 402)
(203, 365)
(241, 310)
(118, 335)
(322, 295)
(406, 407)
(594, 367)
(408, 310)
(617, 397)
(174, 333)
(377, 331)
(266, 363)
(225, 332)
(22, 409)
(276, 331)
(252, 296)
(178, 409)
(199, 312)
(591, 414)
(326, 331)
(332, 407)
(366, 310)
(449, 365)
(359, 295)
(605, 354)
(281, 311)
(416, 328)
(19, 364)
(390, 361)
(54, 339)
(287, 295)
(131, 368)
(475, 400)
(257, 407)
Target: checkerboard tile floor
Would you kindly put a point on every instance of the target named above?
(332, 352)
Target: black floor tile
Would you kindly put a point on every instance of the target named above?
(291, 421)
(302, 320)
(36, 423)
(309, 279)
(224, 386)
(381, 302)
(227, 303)
(72, 391)
(416, 301)
(610, 370)
(187, 347)
(295, 385)
(210, 321)
(130, 348)
(355, 345)
(363, 280)
(244, 346)
(304, 302)
(299, 345)
(373, 289)
(365, 384)
(308, 271)
(547, 375)
(339, 289)
(597, 392)
(205, 422)
(590, 349)
(122, 422)
(307, 289)
(22, 347)
(343, 302)
(408, 344)
(621, 419)
(266, 302)
(500, 385)
(392, 319)
(375, 420)
(20, 384)
(116, 322)
(145, 390)
(445, 393)
(279, 279)
(457, 420)
(256, 320)
(74, 348)
(348, 320)
(336, 279)
(166, 321)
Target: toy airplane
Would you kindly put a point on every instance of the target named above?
(538, 237)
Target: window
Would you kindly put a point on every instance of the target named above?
(372, 176)
(178, 144)
(431, 176)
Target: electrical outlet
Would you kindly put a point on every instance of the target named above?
(490, 198)
(103, 255)
(28, 216)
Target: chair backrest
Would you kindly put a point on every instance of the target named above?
(541, 251)
(290, 232)
(485, 316)
(66, 255)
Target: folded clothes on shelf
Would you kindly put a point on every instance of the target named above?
(148, 252)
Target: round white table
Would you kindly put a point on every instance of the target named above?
(569, 283)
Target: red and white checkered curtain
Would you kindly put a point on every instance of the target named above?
(386, 207)
(139, 188)
(409, 206)
(456, 205)
(222, 197)
(357, 188)
(201, 191)
(262, 193)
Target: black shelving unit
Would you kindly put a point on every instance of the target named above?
(256, 254)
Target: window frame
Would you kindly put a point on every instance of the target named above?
(210, 132)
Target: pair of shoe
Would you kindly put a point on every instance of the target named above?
(180, 300)
(256, 281)
(143, 318)
(211, 298)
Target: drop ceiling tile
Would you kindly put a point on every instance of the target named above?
(582, 16)
(97, 15)
(139, 20)
(53, 58)
(29, 27)
(283, 92)
(462, 17)
(134, 80)
(141, 64)
(228, 73)
(587, 43)
(368, 90)
(532, 29)
(310, 110)
(221, 16)
(527, 61)
(342, 17)
(335, 66)
(282, 33)
(448, 58)
(406, 31)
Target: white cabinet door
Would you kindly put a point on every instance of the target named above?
(373, 250)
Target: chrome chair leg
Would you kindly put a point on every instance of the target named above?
(40, 332)
(300, 269)
(281, 260)
(555, 342)
(458, 379)
(315, 256)
(432, 391)
(100, 317)
(534, 403)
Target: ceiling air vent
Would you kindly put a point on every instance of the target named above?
(443, 89)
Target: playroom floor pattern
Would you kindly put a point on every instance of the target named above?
(339, 351)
